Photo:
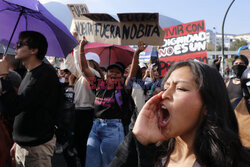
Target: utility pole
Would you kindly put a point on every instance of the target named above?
(223, 47)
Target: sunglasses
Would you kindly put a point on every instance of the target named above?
(19, 44)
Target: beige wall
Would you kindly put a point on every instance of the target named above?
(246, 53)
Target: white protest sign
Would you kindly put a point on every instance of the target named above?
(103, 28)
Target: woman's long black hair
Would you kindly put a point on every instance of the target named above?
(217, 143)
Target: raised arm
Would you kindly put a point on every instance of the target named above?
(151, 73)
(83, 62)
(134, 67)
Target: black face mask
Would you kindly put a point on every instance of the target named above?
(238, 70)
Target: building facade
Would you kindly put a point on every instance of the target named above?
(217, 38)
(245, 37)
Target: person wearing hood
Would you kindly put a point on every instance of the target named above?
(240, 63)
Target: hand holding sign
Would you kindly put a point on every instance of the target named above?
(141, 46)
(84, 64)
(75, 36)
(83, 43)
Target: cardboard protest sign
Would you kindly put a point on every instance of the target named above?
(131, 28)
(78, 10)
(183, 42)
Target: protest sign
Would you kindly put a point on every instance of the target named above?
(131, 28)
(183, 42)
(78, 10)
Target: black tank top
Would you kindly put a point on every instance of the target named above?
(234, 90)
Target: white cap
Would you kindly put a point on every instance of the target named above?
(93, 56)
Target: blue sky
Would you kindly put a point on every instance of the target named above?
(212, 11)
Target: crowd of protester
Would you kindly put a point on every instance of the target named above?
(120, 116)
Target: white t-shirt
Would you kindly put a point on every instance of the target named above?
(72, 63)
(84, 97)
(138, 96)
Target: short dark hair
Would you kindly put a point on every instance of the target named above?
(35, 40)
(242, 57)
(118, 65)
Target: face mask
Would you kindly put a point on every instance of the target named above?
(238, 70)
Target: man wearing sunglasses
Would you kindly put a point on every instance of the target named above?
(35, 106)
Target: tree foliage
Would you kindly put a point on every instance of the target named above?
(237, 43)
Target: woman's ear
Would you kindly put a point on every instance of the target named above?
(204, 110)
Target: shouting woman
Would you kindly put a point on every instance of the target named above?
(190, 123)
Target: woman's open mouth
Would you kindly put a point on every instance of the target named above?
(163, 116)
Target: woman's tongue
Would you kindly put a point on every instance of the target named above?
(164, 117)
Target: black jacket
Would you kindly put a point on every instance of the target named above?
(35, 106)
(131, 153)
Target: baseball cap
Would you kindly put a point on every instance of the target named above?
(117, 65)
(93, 56)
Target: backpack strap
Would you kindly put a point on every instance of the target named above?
(236, 102)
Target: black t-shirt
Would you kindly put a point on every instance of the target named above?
(108, 104)
(234, 90)
(113, 103)
(35, 106)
